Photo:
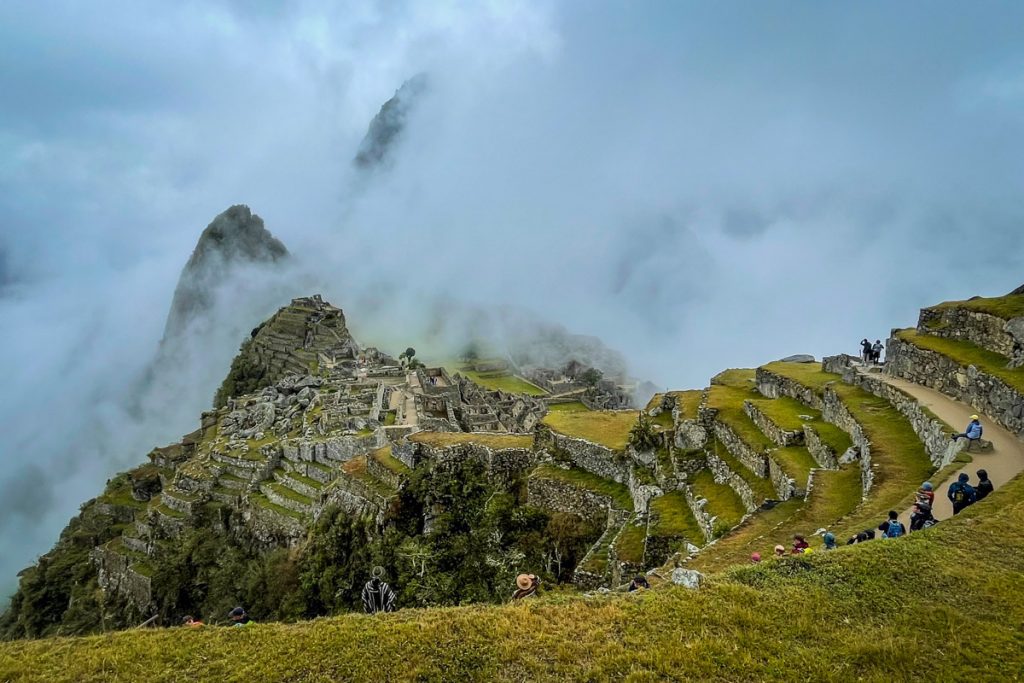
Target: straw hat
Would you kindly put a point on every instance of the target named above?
(377, 572)
(524, 581)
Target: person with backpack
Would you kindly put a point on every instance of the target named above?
(984, 486)
(830, 540)
(972, 433)
(892, 527)
(960, 493)
(876, 351)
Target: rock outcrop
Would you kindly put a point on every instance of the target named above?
(385, 131)
(236, 237)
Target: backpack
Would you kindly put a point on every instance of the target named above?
(959, 494)
(894, 530)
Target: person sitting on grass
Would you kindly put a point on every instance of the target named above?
(639, 582)
(755, 558)
(866, 535)
(780, 550)
(892, 527)
(830, 540)
(984, 486)
(191, 622)
(921, 517)
(972, 433)
(960, 493)
(799, 544)
(239, 618)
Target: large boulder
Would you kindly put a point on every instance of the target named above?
(691, 578)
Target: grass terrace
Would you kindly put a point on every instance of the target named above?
(390, 462)
(785, 412)
(495, 381)
(795, 461)
(762, 488)
(878, 611)
(728, 401)
(629, 546)
(608, 428)
(966, 353)
(688, 402)
(618, 493)
(491, 440)
(674, 518)
(356, 469)
(262, 501)
(569, 407)
(832, 436)
(722, 501)
(1009, 306)
(808, 374)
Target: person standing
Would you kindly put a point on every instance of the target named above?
(921, 517)
(377, 595)
(892, 527)
(865, 350)
(984, 486)
(960, 493)
(876, 351)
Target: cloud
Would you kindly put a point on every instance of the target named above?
(700, 186)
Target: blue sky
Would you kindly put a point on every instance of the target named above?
(701, 185)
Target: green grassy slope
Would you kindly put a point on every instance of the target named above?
(942, 604)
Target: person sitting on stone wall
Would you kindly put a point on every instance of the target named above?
(639, 582)
(961, 493)
(921, 517)
(972, 433)
(984, 486)
(377, 595)
(800, 544)
(239, 618)
(526, 586)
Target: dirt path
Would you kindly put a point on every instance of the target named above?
(1003, 462)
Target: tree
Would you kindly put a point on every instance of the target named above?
(642, 436)
(591, 376)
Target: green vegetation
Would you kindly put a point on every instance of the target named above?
(723, 502)
(495, 441)
(618, 493)
(390, 462)
(795, 461)
(264, 502)
(629, 545)
(495, 381)
(889, 611)
(245, 376)
(606, 427)
(832, 436)
(1009, 306)
(671, 517)
(965, 353)
(785, 412)
(688, 402)
(728, 400)
(762, 488)
(570, 407)
(808, 374)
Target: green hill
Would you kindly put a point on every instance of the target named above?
(943, 604)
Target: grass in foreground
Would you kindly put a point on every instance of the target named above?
(495, 441)
(618, 493)
(608, 428)
(966, 353)
(879, 611)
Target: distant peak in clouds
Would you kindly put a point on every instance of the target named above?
(235, 237)
(385, 130)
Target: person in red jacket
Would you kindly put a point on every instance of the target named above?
(800, 544)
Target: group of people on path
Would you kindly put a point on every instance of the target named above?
(871, 353)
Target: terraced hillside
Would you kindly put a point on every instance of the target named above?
(696, 479)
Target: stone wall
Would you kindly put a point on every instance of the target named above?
(985, 393)
(752, 460)
(595, 458)
(704, 520)
(1005, 337)
(333, 450)
(503, 465)
(780, 436)
(641, 492)
(270, 528)
(933, 432)
(552, 494)
(772, 385)
(785, 487)
(822, 453)
(115, 575)
(724, 475)
(834, 411)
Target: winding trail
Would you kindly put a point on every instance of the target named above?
(1003, 462)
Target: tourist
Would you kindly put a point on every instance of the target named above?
(799, 544)
(892, 527)
(960, 493)
(865, 350)
(526, 586)
(239, 618)
(780, 550)
(984, 486)
(972, 433)
(921, 517)
(876, 351)
(755, 558)
(926, 494)
(830, 540)
(191, 622)
(861, 537)
(638, 583)
(377, 595)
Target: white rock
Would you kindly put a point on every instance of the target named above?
(691, 578)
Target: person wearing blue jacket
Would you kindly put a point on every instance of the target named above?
(972, 433)
(960, 493)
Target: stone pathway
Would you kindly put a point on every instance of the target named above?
(1003, 462)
